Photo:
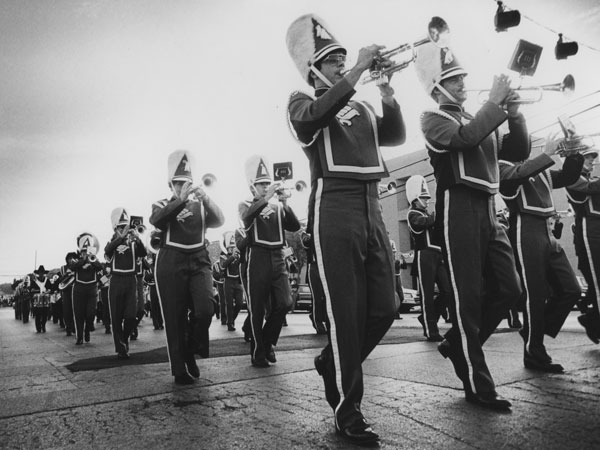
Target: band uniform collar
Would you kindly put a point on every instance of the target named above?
(451, 107)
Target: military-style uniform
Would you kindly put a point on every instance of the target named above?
(549, 282)
(40, 289)
(232, 285)
(341, 138)
(464, 154)
(122, 253)
(67, 277)
(584, 197)
(430, 269)
(183, 269)
(266, 272)
(155, 311)
(85, 287)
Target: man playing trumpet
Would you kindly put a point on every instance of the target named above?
(464, 154)
(183, 270)
(341, 138)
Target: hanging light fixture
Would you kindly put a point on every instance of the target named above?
(565, 49)
(506, 19)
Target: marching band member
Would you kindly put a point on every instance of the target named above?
(40, 288)
(67, 277)
(232, 284)
(87, 271)
(183, 268)
(341, 138)
(104, 287)
(241, 243)
(526, 186)
(463, 151)
(122, 253)
(584, 197)
(430, 267)
(266, 273)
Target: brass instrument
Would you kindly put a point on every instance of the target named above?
(88, 246)
(387, 188)
(208, 180)
(566, 86)
(438, 34)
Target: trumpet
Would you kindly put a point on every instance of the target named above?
(286, 191)
(566, 86)
(208, 179)
(438, 34)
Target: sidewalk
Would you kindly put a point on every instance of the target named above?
(412, 397)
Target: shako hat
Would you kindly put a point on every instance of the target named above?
(435, 62)
(416, 187)
(88, 242)
(585, 145)
(118, 217)
(308, 41)
(180, 166)
(228, 240)
(257, 170)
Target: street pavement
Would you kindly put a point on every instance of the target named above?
(412, 397)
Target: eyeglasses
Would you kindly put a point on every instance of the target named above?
(335, 58)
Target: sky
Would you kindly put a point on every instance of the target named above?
(96, 94)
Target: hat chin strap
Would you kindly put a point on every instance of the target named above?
(321, 77)
(445, 92)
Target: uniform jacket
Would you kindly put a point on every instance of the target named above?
(86, 272)
(184, 223)
(420, 223)
(265, 223)
(527, 186)
(123, 257)
(584, 196)
(341, 136)
(464, 148)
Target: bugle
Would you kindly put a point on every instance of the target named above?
(208, 179)
(438, 34)
(566, 86)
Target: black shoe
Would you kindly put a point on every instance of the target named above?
(230, 328)
(359, 433)
(134, 335)
(489, 400)
(260, 363)
(459, 363)
(332, 395)
(79, 342)
(543, 365)
(223, 323)
(87, 336)
(321, 329)
(107, 330)
(591, 333)
(422, 322)
(270, 354)
(184, 379)
(435, 338)
(516, 323)
(192, 367)
(162, 327)
(123, 355)
(247, 334)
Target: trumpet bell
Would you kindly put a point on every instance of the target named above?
(209, 179)
(300, 185)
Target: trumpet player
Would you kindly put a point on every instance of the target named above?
(266, 273)
(183, 269)
(584, 197)
(122, 253)
(87, 271)
(463, 151)
(549, 283)
(232, 284)
(341, 138)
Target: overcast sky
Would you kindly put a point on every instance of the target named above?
(96, 94)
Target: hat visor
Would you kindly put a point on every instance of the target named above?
(452, 72)
(263, 180)
(182, 178)
(326, 51)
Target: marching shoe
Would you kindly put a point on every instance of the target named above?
(435, 338)
(184, 379)
(270, 354)
(260, 363)
(230, 328)
(192, 367)
(359, 433)
(107, 330)
(332, 395)
(122, 355)
(87, 336)
(591, 333)
(542, 364)
(247, 333)
(79, 342)
(489, 400)
(422, 322)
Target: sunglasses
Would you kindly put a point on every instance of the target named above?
(336, 58)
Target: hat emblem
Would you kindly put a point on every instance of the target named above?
(321, 32)
(262, 170)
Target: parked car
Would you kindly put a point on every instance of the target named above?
(412, 300)
(302, 297)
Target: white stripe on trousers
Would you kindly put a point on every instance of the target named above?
(461, 330)
(319, 257)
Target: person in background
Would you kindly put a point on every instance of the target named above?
(267, 277)
(40, 288)
(183, 268)
(232, 284)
